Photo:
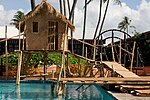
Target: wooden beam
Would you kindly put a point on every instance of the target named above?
(125, 50)
(83, 42)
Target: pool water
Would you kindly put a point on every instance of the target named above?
(43, 91)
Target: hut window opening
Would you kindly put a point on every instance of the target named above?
(52, 35)
(35, 26)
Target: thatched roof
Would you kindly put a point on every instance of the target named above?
(51, 10)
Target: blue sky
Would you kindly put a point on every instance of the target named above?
(25, 4)
(132, 3)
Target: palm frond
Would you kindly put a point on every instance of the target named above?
(118, 2)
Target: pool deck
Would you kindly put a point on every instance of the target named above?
(126, 96)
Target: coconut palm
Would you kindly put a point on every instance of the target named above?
(60, 4)
(100, 11)
(32, 4)
(72, 9)
(64, 3)
(84, 25)
(71, 16)
(124, 24)
(17, 17)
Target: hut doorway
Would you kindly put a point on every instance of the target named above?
(52, 35)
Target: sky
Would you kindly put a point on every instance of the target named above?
(137, 10)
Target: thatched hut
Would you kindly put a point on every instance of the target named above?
(45, 28)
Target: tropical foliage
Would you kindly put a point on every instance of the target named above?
(17, 17)
(124, 24)
(54, 58)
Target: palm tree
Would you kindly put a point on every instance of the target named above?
(32, 4)
(100, 13)
(84, 25)
(64, 3)
(71, 16)
(17, 17)
(60, 4)
(124, 24)
(72, 9)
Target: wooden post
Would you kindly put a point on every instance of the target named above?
(120, 52)
(59, 86)
(132, 56)
(53, 73)
(6, 53)
(113, 72)
(23, 41)
(94, 50)
(19, 37)
(113, 56)
(86, 54)
(101, 47)
(19, 68)
(79, 68)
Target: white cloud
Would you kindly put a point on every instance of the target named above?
(6, 16)
(11, 32)
(140, 17)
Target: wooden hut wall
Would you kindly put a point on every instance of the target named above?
(39, 40)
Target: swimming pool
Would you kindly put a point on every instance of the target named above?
(42, 91)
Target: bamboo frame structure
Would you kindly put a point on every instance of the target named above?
(64, 54)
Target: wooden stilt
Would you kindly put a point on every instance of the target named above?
(94, 50)
(6, 53)
(120, 53)
(59, 88)
(19, 68)
(113, 56)
(19, 38)
(86, 53)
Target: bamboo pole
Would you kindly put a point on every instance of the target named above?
(79, 68)
(19, 68)
(19, 37)
(6, 53)
(125, 50)
(83, 42)
(132, 56)
(113, 56)
(94, 50)
(120, 53)
(86, 53)
(58, 87)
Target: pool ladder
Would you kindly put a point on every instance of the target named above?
(83, 89)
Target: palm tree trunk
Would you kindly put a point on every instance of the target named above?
(72, 10)
(72, 34)
(60, 5)
(64, 3)
(32, 4)
(84, 26)
(71, 15)
(99, 18)
(68, 6)
(104, 17)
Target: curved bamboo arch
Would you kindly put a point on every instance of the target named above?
(112, 30)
